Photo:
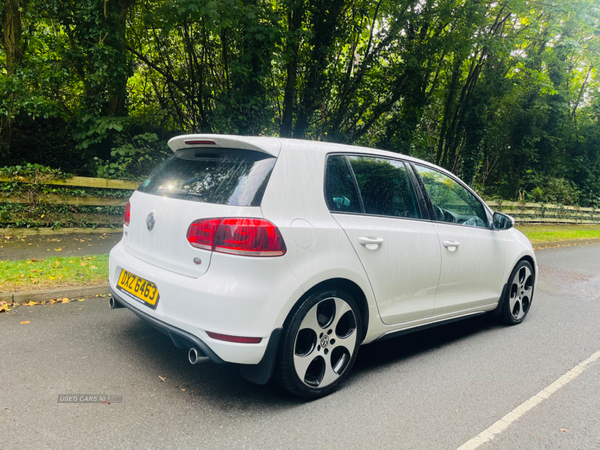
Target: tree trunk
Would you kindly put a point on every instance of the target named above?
(325, 16)
(295, 16)
(118, 87)
(13, 47)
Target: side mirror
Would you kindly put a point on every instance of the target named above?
(503, 221)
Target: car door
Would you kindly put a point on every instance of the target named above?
(472, 253)
(374, 202)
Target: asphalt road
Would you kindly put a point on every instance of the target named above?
(436, 389)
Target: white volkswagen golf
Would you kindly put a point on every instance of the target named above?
(284, 256)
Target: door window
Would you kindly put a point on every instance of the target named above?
(384, 186)
(452, 202)
(340, 189)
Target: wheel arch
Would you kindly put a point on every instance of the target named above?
(530, 260)
(339, 283)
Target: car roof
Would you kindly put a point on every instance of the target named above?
(274, 145)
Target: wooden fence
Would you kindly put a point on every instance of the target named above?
(522, 212)
(32, 197)
(545, 213)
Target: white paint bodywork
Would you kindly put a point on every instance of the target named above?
(409, 280)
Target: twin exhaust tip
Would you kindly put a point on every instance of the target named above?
(195, 356)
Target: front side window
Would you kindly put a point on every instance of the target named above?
(452, 202)
(384, 186)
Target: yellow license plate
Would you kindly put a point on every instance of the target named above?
(140, 289)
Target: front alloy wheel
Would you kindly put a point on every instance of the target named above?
(520, 293)
(320, 344)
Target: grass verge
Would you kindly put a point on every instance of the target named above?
(49, 273)
(546, 234)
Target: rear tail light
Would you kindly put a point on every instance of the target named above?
(237, 236)
(201, 233)
(127, 214)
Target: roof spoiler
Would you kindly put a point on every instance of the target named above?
(271, 146)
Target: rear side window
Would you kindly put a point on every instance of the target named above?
(384, 186)
(222, 176)
(340, 189)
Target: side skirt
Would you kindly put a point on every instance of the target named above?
(393, 334)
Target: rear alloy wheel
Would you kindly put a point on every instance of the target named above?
(320, 344)
(519, 295)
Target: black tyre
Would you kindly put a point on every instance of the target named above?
(319, 344)
(519, 294)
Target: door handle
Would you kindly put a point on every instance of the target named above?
(372, 243)
(451, 245)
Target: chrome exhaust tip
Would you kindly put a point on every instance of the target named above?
(195, 356)
(114, 304)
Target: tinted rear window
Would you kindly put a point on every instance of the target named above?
(221, 176)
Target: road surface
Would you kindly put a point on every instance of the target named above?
(436, 389)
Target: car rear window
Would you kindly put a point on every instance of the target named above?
(222, 176)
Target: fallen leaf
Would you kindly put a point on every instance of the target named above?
(4, 308)
(81, 300)
(106, 402)
(65, 300)
(564, 430)
(25, 322)
(183, 390)
(42, 216)
(52, 278)
(58, 249)
(83, 264)
(57, 263)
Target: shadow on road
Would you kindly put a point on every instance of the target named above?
(224, 387)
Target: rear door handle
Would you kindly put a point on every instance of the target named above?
(372, 243)
(451, 245)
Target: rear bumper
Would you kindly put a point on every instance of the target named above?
(251, 304)
(181, 338)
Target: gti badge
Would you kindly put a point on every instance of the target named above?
(150, 221)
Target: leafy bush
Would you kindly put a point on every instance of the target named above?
(133, 158)
(555, 191)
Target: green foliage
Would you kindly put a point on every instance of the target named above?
(505, 94)
(95, 130)
(33, 172)
(133, 158)
(553, 191)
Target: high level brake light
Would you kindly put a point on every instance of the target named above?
(237, 236)
(200, 142)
